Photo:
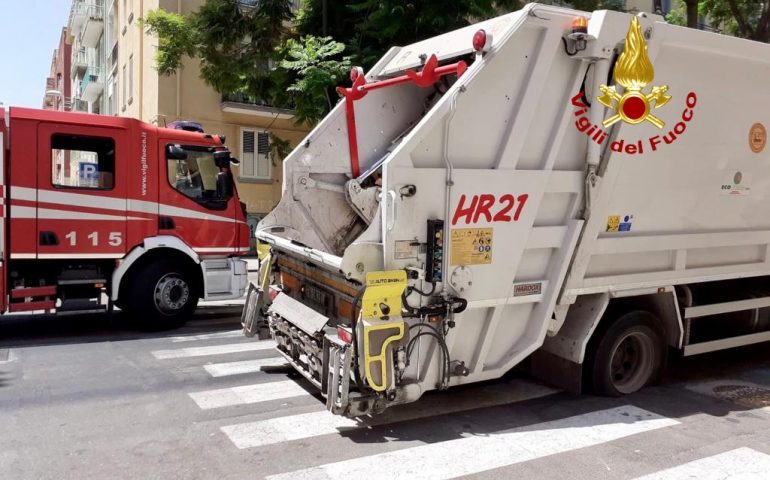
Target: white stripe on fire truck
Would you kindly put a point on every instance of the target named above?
(22, 256)
(314, 424)
(53, 214)
(214, 350)
(107, 203)
(742, 462)
(470, 455)
(248, 394)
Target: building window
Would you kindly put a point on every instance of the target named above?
(255, 150)
(82, 162)
(130, 79)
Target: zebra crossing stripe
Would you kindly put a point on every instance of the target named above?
(208, 336)
(739, 464)
(313, 424)
(244, 366)
(470, 455)
(247, 394)
(214, 350)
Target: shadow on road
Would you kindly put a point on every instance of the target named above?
(40, 330)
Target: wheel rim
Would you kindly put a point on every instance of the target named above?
(171, 293)
(633, 361)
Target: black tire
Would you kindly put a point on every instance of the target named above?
(162, 295)
(629, 355)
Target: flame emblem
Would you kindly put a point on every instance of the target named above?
(634, 72)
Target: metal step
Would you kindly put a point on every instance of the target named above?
(80, 305)
(45, 291)
(83, 281)
(30, 306)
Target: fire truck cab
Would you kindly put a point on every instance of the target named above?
(95, 205)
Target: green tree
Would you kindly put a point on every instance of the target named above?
(743, 18)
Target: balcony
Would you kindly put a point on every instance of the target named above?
(92, 84)
(79, 61)
(245, 105)
(86, 22)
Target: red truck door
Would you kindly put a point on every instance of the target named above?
(81, 191)
(189, 198)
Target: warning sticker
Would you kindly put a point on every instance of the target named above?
(471, 246)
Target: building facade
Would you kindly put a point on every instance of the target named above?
(58, 88)
(113, 73)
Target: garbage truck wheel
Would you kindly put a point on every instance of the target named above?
(629, 355)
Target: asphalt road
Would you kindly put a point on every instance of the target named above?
(83, 397)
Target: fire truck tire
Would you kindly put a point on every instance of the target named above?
(164, 295)
(630, 354)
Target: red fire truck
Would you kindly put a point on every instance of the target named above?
(95, 205)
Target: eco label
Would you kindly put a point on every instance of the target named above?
(619, 223)
(406, 249)
(738, 183)
(471, 246)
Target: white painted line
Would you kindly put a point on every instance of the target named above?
(214, 350)
(208, 336)
(247, 394)
(245, 366)
(466, 456)
(307, 425)
(739, 464)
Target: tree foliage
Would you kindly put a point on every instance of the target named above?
(743, 18)
(245, 46)
(312, 61)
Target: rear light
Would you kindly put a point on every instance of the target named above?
(272, 293)
(580, 25)
(482, 41)
(290, 283)
(345, 334)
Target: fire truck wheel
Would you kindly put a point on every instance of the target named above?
(165, 295)
(629, 355)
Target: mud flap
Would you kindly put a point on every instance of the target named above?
(253, 318)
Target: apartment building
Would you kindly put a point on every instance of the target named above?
(58, 95)
(113, 73)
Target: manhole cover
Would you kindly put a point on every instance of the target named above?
(744, 395)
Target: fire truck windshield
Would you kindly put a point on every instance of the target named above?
(196, 176)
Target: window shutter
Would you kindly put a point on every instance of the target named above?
(263, 149)
(248, 155)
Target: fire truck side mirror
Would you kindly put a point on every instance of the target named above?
(225, 185)
(175, 152)
(222, 159)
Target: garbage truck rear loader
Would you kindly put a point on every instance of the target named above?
(585, 189)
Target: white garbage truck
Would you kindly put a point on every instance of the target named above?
(585, 191)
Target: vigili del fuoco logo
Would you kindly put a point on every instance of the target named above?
(634, 72)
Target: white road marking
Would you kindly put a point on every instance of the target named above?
(214, 350)
(208, 336)
(245, 366)
(307, 425)
(466, 456)
(739, 464)
(246, 394)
